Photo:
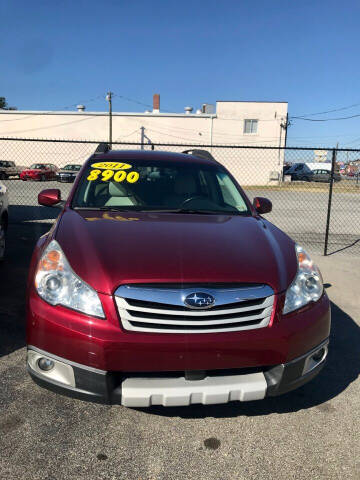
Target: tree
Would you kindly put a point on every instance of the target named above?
(3, 103)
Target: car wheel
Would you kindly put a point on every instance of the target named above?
(42, 178)
(2, 241)
(3, 176)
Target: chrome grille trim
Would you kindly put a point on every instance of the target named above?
(256, 313)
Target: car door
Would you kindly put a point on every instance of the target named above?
(325, 175)
(315, 174)
(54, 170)
(47, 172)
(297, 172)
(13, 168)
(319, 176)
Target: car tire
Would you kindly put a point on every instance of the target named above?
(42, 178)
(2, 240)
(3, 176)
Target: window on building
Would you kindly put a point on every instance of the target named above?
(250, 126)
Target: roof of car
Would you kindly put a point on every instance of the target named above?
(113, 155)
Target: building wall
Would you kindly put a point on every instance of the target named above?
(226, 127)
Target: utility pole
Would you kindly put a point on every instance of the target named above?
(287, 124)
(109, 99)
(283, 126)
(145, 137)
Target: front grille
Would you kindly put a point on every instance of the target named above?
(151, 309)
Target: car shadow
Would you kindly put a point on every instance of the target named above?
(341, 369)
(21, 239)
(32, 213)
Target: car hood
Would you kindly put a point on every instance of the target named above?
(33, 170)
(68, 171)
(107, 249)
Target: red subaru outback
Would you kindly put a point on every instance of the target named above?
(161, 284)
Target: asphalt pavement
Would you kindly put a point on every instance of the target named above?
(311, 433)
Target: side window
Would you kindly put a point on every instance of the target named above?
(204, 186)
(250, 126)
(298, 168)
(230, 194)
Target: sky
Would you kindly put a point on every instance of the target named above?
(55, 55)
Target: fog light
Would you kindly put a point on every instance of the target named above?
(318, 355)
(45, 364)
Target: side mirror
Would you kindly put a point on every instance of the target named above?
(262, 205)
(50, 198)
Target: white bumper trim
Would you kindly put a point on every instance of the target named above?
(144, 392)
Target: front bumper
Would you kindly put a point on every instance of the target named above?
(171, 388)
(65, 179)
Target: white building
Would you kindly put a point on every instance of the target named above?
(232, 123)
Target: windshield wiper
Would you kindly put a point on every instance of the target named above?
(196, 211)
(108, 209)
(163, 210)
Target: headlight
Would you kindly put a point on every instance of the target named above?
(57, 284)
(307, 286)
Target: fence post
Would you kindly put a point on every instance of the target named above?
(333, 162)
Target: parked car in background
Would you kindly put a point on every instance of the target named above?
(4, 218)
(170, 289)
(8, 169)
(68, 173)
(321, 176)
(301, 171)
(305, 172)
(40, 172)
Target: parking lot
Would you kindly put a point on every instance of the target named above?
(310, 433)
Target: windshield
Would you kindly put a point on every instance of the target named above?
(153, 185)
(38, 166)
(72, 167)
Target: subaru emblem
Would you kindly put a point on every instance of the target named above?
(199, 300)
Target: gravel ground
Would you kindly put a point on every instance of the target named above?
(310, 433)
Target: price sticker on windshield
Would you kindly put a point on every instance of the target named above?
(117, 176)
(111, 166)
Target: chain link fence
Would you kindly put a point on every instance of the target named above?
(315, 192)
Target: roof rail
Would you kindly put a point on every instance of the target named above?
(200, 153)
(102, 148)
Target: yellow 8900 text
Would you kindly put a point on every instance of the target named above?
(119, 176)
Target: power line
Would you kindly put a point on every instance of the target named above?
(128, 135)
(328, 111)
(89, 100)
(353, 141)
(325, 119)
(50, 111)
(50, 126)
(138, 102)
